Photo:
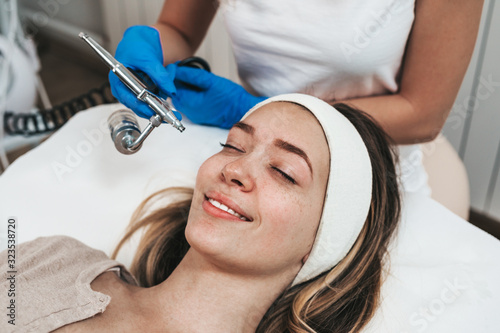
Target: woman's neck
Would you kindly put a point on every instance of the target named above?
(199, 297)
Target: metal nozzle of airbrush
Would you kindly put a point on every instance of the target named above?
(176, 123)
(179, 126)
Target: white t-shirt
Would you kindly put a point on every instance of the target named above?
(332, 49)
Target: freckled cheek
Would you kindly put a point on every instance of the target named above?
(285, 215)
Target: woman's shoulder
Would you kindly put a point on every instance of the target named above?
(54, 274)
(53, 245)
(50, 255)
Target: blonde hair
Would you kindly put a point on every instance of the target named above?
(343, 299)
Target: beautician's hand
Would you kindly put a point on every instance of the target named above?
(140, 49)
(208, 99)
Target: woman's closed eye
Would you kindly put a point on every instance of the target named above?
(284, 175)
(228, 146)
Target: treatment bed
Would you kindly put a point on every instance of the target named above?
(443, 273)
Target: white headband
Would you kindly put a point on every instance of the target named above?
(349, 190)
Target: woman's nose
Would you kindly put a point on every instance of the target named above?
(239, 173)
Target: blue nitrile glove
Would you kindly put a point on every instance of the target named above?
(140, 50)
(208, 99)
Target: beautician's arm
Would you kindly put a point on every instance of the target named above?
(438, 53)
(183, 24)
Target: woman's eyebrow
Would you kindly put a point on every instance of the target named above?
(245, 127)
(293, 149)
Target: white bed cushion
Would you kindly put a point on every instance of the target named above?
(444, 273)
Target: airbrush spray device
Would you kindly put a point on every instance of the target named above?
(123, 124)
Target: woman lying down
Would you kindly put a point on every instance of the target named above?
(285, 231)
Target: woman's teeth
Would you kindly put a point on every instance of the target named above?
(226, 209)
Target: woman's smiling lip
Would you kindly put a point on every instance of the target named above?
(219, 205)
